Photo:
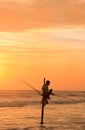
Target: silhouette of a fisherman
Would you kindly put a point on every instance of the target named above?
(46, 92)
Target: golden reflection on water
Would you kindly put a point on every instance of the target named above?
(20, 110)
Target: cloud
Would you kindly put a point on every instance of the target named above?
(42, 45)
(42, 41)
(16, 3)
(34, 14)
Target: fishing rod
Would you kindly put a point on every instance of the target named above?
(30, 86)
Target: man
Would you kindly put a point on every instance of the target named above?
(46, 91)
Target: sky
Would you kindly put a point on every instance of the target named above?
(42, 38)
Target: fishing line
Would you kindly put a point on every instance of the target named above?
(30, 86)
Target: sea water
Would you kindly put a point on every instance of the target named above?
(21, 110)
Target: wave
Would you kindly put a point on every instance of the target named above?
(30, 98)
(18, 103)
(63, 102)
(23, 103)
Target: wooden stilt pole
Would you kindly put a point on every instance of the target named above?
(42, 111)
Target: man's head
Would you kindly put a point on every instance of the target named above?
(47, 82)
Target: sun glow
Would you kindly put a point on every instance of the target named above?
(1, 70)
(2, 67)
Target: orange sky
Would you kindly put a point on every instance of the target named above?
(42, 39)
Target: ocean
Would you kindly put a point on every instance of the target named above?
(21, 110)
